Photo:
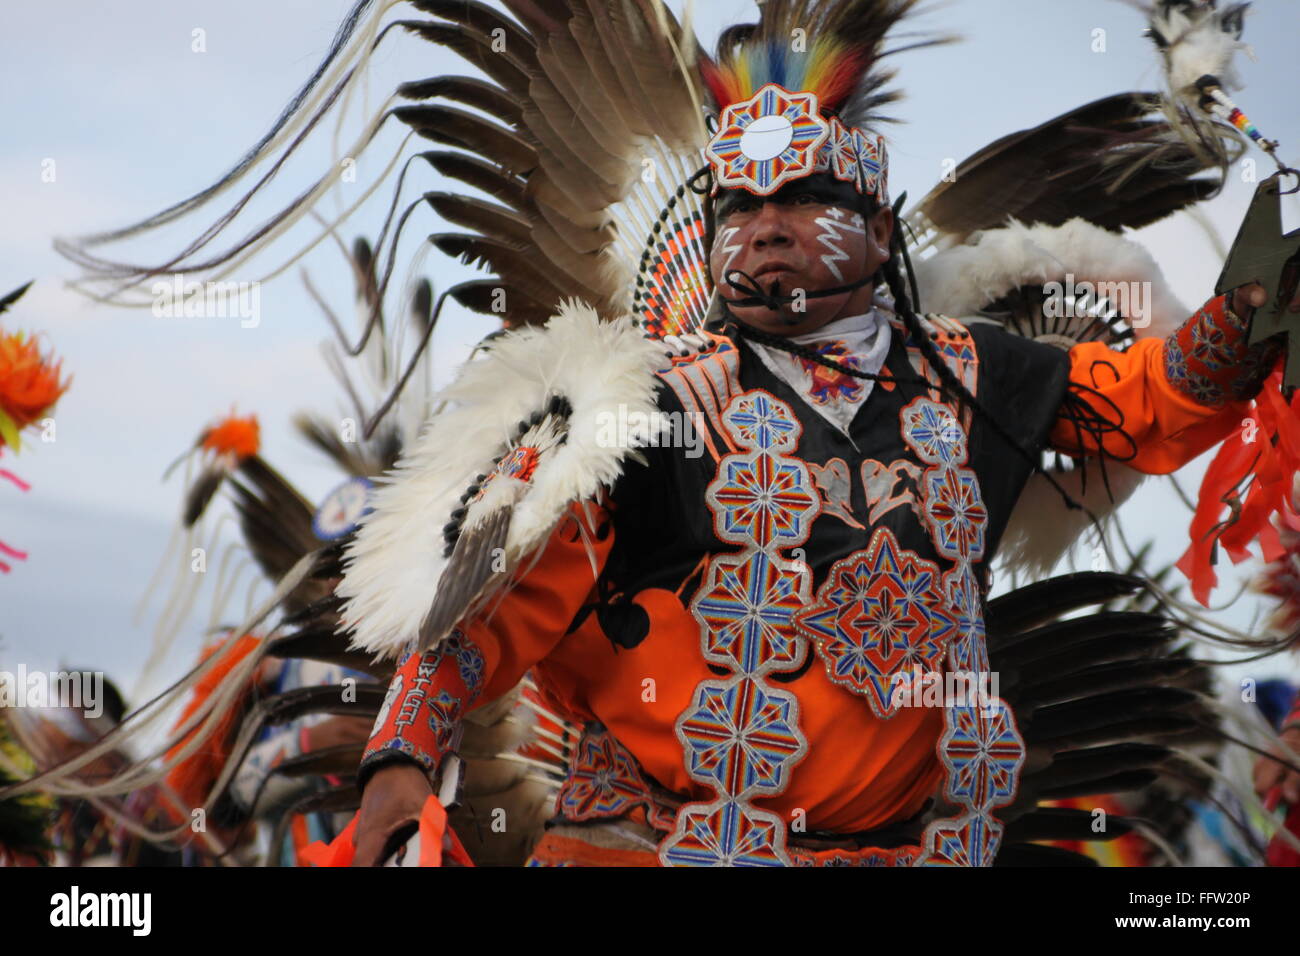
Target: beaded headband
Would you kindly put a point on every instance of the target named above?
(777, 136)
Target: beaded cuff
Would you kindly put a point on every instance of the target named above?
(1208, 360)
(420, 718)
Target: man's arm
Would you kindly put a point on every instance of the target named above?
(431, 692)
(1166, 401)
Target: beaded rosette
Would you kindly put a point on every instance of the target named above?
(777, 136)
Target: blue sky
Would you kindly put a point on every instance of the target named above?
(135, 119)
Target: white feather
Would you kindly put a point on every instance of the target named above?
(1198, 45)
(961, 280)
(1042, 528)
(602, 368)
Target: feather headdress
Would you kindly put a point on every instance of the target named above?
(832, 49)
(797, 92)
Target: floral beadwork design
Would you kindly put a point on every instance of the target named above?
(981, 748)
(767, 140)
(605, 781)
(740, 735)
(829, 385)
(1208, 360)
(879, 615)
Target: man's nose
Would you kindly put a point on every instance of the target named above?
(770, 227)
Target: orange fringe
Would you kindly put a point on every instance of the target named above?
(241, 437)
(438, 842)
(193, 777)
(1247, 483)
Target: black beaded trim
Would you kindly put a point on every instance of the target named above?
(558, 406)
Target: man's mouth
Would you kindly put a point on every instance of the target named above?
(771, 269)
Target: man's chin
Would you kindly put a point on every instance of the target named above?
(786, 321)
(769, 319)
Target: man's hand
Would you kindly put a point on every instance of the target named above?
(1270, 773)
(394, 797)
(1247, 298)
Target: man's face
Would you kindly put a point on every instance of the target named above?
(800, 238)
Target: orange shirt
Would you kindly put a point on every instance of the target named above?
(1165, 427)
(860, 772)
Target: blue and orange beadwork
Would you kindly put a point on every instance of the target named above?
(740, 735)
(426, 699)
(829, 385)
(1208, 360)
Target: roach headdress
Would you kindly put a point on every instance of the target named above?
(798, 94)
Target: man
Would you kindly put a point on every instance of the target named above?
(741, 665)
(847, 776)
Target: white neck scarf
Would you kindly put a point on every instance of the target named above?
(861, 341)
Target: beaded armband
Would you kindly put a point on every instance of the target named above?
(1208, 360)
(420, 718)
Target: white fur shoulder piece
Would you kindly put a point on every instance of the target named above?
(961, 280)
(606, 373)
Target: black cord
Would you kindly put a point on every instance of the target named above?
(953, 388)
(774, 300)
(948, 381)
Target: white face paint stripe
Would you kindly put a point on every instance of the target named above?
(832, 231)
(730, 251)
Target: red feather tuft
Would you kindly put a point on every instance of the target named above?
(721, 83)
(837, 84)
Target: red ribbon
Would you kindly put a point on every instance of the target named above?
(436, 839)
(1273, 454)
